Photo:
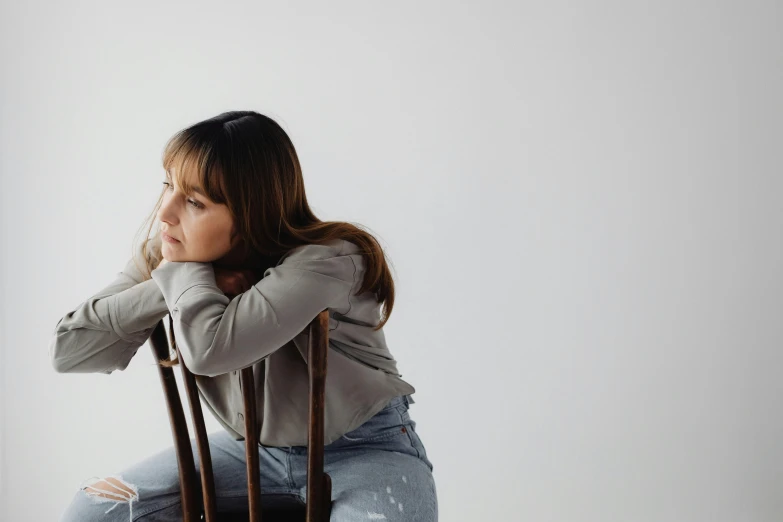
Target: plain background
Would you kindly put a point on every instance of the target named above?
(581, 202)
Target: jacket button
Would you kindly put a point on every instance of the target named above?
(240, 417)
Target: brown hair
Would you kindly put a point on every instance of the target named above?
(246, 161)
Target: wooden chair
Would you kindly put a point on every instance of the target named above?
(197, 506)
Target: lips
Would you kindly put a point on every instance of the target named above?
(168, 237)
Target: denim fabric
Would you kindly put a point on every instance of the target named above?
(379, 471)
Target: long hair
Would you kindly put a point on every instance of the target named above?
(246, 161)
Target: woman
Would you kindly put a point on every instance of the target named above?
(241, 265)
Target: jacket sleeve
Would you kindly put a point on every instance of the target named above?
(104, 332)
(217, 335)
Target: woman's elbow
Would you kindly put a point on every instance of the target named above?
(84, 351)
(198, 362)
(57, 358)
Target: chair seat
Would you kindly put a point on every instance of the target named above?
(290, 514)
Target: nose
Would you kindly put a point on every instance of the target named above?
(167, 212)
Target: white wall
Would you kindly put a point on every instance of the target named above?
(582, 202)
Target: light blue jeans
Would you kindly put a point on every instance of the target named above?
(379, 471)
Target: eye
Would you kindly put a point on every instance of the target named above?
(191, 201)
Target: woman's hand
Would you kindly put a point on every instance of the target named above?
(234, 282)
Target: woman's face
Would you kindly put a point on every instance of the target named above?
(203, 228)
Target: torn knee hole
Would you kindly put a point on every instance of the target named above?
(112, 488)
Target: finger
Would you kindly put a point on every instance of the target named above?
(236, 282)
(244, 283)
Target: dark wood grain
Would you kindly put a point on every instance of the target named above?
(251, 444)
(179, 429)
(198, 503)
(316, 364)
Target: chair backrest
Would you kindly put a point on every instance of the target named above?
(319, 487)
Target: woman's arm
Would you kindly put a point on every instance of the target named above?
(216, 334)
(104, 332)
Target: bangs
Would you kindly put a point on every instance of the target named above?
(193, 166)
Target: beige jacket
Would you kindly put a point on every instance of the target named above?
(264, 327)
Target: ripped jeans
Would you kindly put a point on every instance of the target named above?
(379, 471)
